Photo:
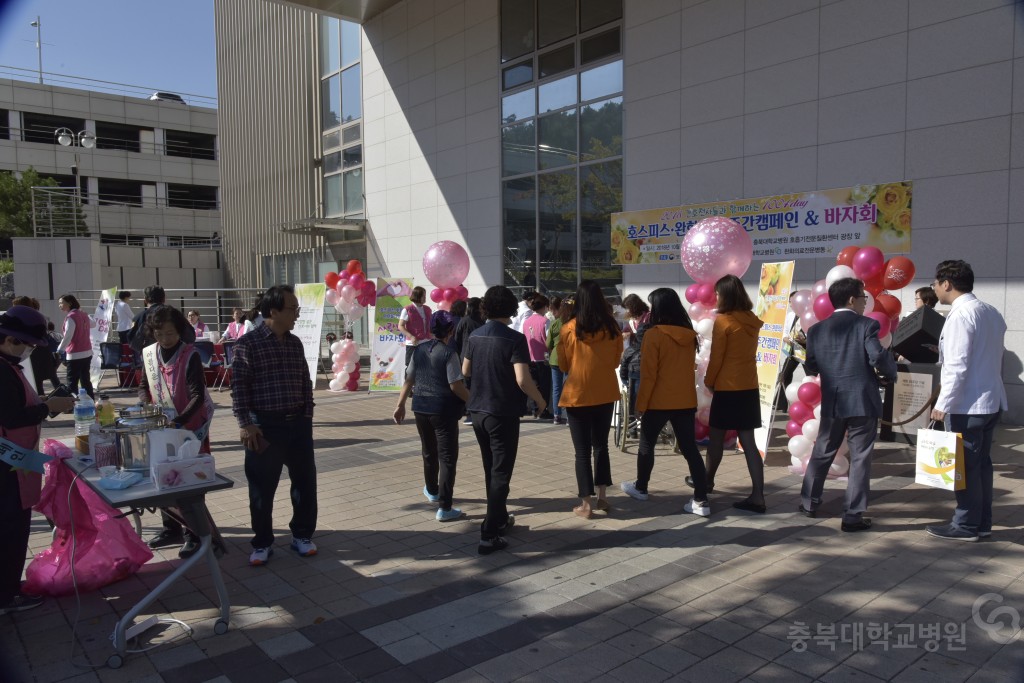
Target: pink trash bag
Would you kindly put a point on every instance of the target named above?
(107, 549)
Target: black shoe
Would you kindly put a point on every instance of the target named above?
(504, 528)
(953, 533)
(710, 486)
(189, 548)
(863, 524)
(807, 513)
(166, 538)
(488, 547)
(20, 603)
(750, 507)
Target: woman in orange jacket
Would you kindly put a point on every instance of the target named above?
(668, 393)
(589, 347)
(732, 376)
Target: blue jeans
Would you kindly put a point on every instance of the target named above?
(557, 380)
(974, 503)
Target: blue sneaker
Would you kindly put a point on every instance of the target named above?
(448, 515)
(433, 498)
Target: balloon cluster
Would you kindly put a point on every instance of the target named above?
(446, 265)
(350, 292)
(802, 428)
(878, 274)
(345, 358)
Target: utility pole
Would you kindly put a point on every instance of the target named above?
(39, 45)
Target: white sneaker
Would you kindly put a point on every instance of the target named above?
(304, 547)
(697, 508)
(630, 489)
(260, 556)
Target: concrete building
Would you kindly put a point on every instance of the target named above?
(493, 123)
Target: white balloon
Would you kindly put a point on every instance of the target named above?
(336, 358)
(348, 367)
(336, 347)
(869, 302)
(844, 449)
(817, 412)
(810, 429)
(796, 462)
(791, 393)
(886, 341)
(703, 399)
(705, 351)
(705, 327)
(840, 466)
(809, 379)
(357, 310)
(838, 273)
(800, 446)
(336, 385)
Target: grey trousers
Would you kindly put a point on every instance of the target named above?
(860, 435)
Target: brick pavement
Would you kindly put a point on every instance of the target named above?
(645, 592)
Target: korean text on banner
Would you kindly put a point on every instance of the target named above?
(771, 306)
(100, 330)
(940, 460)
(793, 226)
(387, 362)
(310, 322)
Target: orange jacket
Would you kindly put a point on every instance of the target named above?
(667, 378)
(733, 366)
(591, 363)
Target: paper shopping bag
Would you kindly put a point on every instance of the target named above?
(940, 460)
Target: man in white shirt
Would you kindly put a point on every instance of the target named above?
(124, 316)
(524, 311)
(972, 394)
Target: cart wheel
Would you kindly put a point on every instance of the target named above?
(114, 662)
(221, 627)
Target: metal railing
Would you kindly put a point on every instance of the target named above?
(96, 85)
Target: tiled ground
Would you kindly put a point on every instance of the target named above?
(645, 593)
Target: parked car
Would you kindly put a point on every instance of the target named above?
(167, 97)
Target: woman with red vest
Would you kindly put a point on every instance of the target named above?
(414, 322)
(21, 330)
(77, 345)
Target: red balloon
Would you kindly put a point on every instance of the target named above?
(875, 285)
(800, 412)
(368, 287)
(693, 293)
(890, 305)
(809, 393)
(436, 294)
(731, 435)
(354, 266)
(331, 280)
(700, 431)
(845, 257)
(883, 323)
(707, 295)
(823, 307)
(893, 324)
(794, 428)
(868, 262)
(898, 272)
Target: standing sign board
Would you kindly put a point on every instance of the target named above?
(310, 322)
(771, 306)
(387, 353)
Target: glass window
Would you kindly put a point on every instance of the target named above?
(557, 94)
(352, 156)
(350, 37)
(556, 20)
(557, 61)
(354, 191)
(519, 227)
(601, 129)
(517, 37)
(518, 149)
(521, 105)
(350, 134)
(332, 162)
(600, 46)
(556, 139)
(332, 140)
(601, 81)
(557, 229)
(517, 75)
(351, 98)
(329, 51)
(332, 196)
(600, 197)
(594, 13)
(330, 94)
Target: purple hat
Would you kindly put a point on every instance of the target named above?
(24, 324)
(441, 323)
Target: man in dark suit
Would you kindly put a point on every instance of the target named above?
(844, 349)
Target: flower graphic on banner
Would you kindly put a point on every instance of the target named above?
(893, 201)
(628, 253)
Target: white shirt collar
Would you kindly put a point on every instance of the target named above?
(962, 299)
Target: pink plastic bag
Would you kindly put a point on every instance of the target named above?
(107, 548)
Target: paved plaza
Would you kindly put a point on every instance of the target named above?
(643, 593)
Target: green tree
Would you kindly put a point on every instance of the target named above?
(16, 206)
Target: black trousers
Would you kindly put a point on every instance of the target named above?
(78, 371)
(123, 336)
(44, 367)
(498, 436)
(439, 437)
(15, 524)
(540, 371)
(589, 427)
(291, 446)
(682, 424)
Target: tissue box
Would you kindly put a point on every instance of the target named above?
(178, 473)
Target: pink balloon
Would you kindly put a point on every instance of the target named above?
(444, 305)
(800, 412)
(697, 311)
(693, 293)
(348, 293)
(450, 294)
(332, 297)
(809, 394)
(461, 293)
(819, 288)
(883, 322)
(343, 276)
(808, 320)
(794, 428)
(357, 280)
(823, 307)
(700, 430)
(446, 264)
(801, 301)
(707, 294)
(715, 247)
(436, 294)
(703, 415)
(868, 262)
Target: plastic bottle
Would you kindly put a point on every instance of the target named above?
(105, 413)
(85, 413)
